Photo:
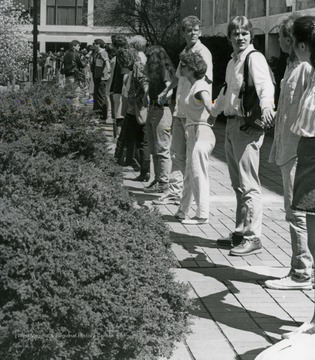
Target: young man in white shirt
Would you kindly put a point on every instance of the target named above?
(191, 32)
(242, 147)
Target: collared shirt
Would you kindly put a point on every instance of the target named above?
(184, 84)
(259, 70)
(294, 83)
(305, 123)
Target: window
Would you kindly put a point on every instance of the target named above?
(221, 11)
(256, 8)
(58, 46)
(278, 7)
(66, 12)
(237, 8)
(206, 12)
(304, 4)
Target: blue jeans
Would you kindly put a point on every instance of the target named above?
(242, 150)
(178, 156)
(301, 261)
(159, 123)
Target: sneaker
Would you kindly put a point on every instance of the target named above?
(195, 221)
(306, 328)
(287, 283)
(167, 198)
(247, 247)
(156, 188)
(152, 184)
(180, 215)
(232, 240)
(142, 177)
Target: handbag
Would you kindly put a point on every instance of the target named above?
(250, 101)
(141, 112)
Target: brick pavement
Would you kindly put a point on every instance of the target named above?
(236, 317)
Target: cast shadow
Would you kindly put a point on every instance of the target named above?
(233, 316)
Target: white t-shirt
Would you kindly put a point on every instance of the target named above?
(184, 84)
(194, 108)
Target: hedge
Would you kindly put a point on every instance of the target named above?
(83, 274)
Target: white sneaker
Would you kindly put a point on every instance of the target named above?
(287, 283)
(195, 221)
(180, 215)
(303, 329)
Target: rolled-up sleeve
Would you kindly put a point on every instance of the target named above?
(263, 80)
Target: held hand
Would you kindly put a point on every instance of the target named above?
(267, 117)
(211, 120)
(145, 100)
(162, 97)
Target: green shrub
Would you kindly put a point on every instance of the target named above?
(83, 274)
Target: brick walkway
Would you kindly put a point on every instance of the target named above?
(236, 317)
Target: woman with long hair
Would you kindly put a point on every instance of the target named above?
(135, 133)
(160, 72)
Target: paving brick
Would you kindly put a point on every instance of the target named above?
(235, 316)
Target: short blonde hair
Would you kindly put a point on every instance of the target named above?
(138, 42)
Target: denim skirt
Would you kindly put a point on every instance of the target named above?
(304, 182)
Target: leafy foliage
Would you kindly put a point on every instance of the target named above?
(15, 51)
(83, 274)
(156, 20)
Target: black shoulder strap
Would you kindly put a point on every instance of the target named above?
(246, 72)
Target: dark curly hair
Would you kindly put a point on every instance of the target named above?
(127, 57)
(195, 63)
(119, 41)
(157, 62)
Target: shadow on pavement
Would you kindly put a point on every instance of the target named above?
(224, 305)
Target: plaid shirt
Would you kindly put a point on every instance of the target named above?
(137, 86)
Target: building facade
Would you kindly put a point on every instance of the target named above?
(265, 16)
(61, 21)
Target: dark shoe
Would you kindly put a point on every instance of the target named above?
(232, 240)
(157, 188)
(247, 247)
(142, 177)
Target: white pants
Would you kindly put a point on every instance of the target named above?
(200, 141)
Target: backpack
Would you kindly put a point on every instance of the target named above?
(249, 100)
